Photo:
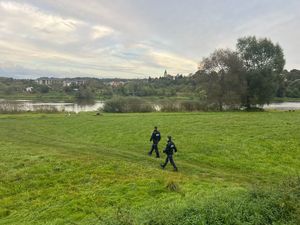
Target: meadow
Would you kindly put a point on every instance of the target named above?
(234, 168)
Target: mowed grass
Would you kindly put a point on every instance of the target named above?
(85, 169)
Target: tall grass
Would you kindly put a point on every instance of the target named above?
(183, 106)
(13, 108)
(258, 206)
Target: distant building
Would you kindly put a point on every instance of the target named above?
(116, 83)
(67, 83)
(80, 82)
(29, 89)
(47, 81)
(166, 75)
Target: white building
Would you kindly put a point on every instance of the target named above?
(29, 89)
(46, 81)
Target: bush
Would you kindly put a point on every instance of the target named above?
(84, 94)
(169, 106)
(182, 106)
(189, 106)
(126, 105)
(44, 89)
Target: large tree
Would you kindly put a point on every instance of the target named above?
(220, 76)
(263, 62)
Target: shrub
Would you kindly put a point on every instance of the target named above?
(169, 106)
(126, 105)
(182, 106)
(189, 106)
(84, 94)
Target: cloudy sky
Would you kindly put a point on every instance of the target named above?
(135, 38)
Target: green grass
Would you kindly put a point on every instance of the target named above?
(86, 169)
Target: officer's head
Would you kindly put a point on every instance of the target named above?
(155, 128)
(169, 138)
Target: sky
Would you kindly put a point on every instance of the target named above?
(135, 38)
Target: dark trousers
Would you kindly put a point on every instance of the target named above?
(170, 158)
(154, 147)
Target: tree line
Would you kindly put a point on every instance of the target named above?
(248, 76)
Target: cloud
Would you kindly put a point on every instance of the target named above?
(38, 19)
(172, 62)
(136, 38)
(101, 31)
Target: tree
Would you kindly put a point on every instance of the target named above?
(263, 62)
(43, 89)
(84, 94)
(221, 77)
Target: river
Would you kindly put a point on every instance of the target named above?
(26, 105)
(284, 106)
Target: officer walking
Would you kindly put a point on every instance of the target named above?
(170, 148)
(155, 138)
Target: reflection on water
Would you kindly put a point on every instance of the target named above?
(25, 105)
(283, 106)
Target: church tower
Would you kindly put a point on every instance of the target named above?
(165, 73)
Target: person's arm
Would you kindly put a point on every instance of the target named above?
(175, 149)
(159, 137)
(151, 138)
(164, 151)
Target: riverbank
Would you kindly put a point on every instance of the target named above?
(88, 169)
(135, 105)
(280, 100)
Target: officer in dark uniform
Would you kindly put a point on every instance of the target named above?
(155, 138)
(169, 150)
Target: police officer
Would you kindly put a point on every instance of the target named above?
(169, 150)
(155, 138)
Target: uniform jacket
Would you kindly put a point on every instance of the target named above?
(155, 137)
(170, 148)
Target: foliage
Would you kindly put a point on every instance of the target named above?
(84, 93)
(127, 104)
(264, 62)
(43, 89)
(182, 106)
(221, 76)
(289, 85)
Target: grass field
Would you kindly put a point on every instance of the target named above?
(87, 169)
